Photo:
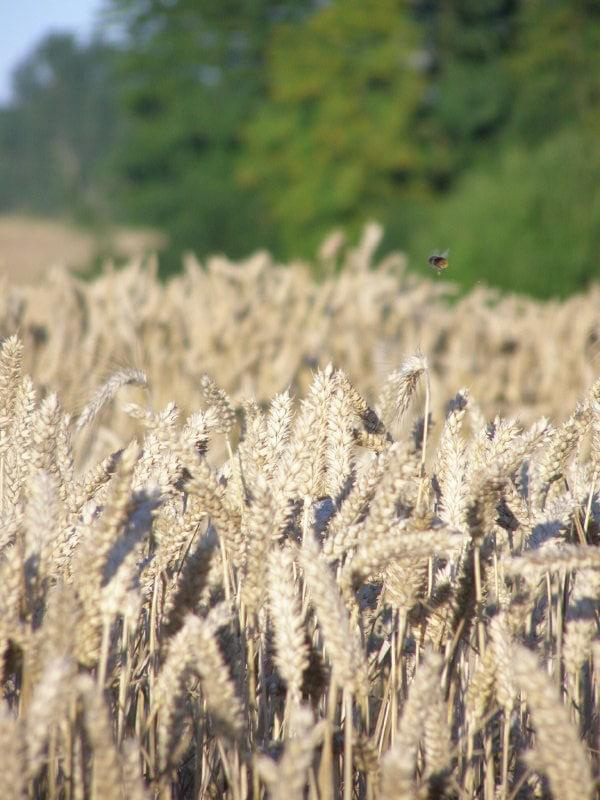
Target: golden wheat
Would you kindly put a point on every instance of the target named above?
(272, 587)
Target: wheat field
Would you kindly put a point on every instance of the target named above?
(264, 536)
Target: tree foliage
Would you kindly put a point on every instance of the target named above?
(335, 142)
(526, 213)
(191, 75)
(55, 134)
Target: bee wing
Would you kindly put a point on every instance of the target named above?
(438, 254)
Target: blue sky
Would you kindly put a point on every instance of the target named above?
(25, 22)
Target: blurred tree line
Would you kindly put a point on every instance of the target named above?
(235, 124)
(57, 132)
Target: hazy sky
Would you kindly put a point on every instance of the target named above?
(23, 23)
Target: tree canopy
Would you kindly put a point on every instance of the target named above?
(55, 135)
(335, 142)
(191, 76)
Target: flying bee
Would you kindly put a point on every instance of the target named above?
(439, 261)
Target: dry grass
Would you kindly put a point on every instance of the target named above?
(30, 246)
(258, 592)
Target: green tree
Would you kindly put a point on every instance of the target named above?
(470, 87)
(334, 143)
(56, 132)
(521, 210)
(192, 73)
(556, 69)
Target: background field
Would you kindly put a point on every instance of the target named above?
(30, 247)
